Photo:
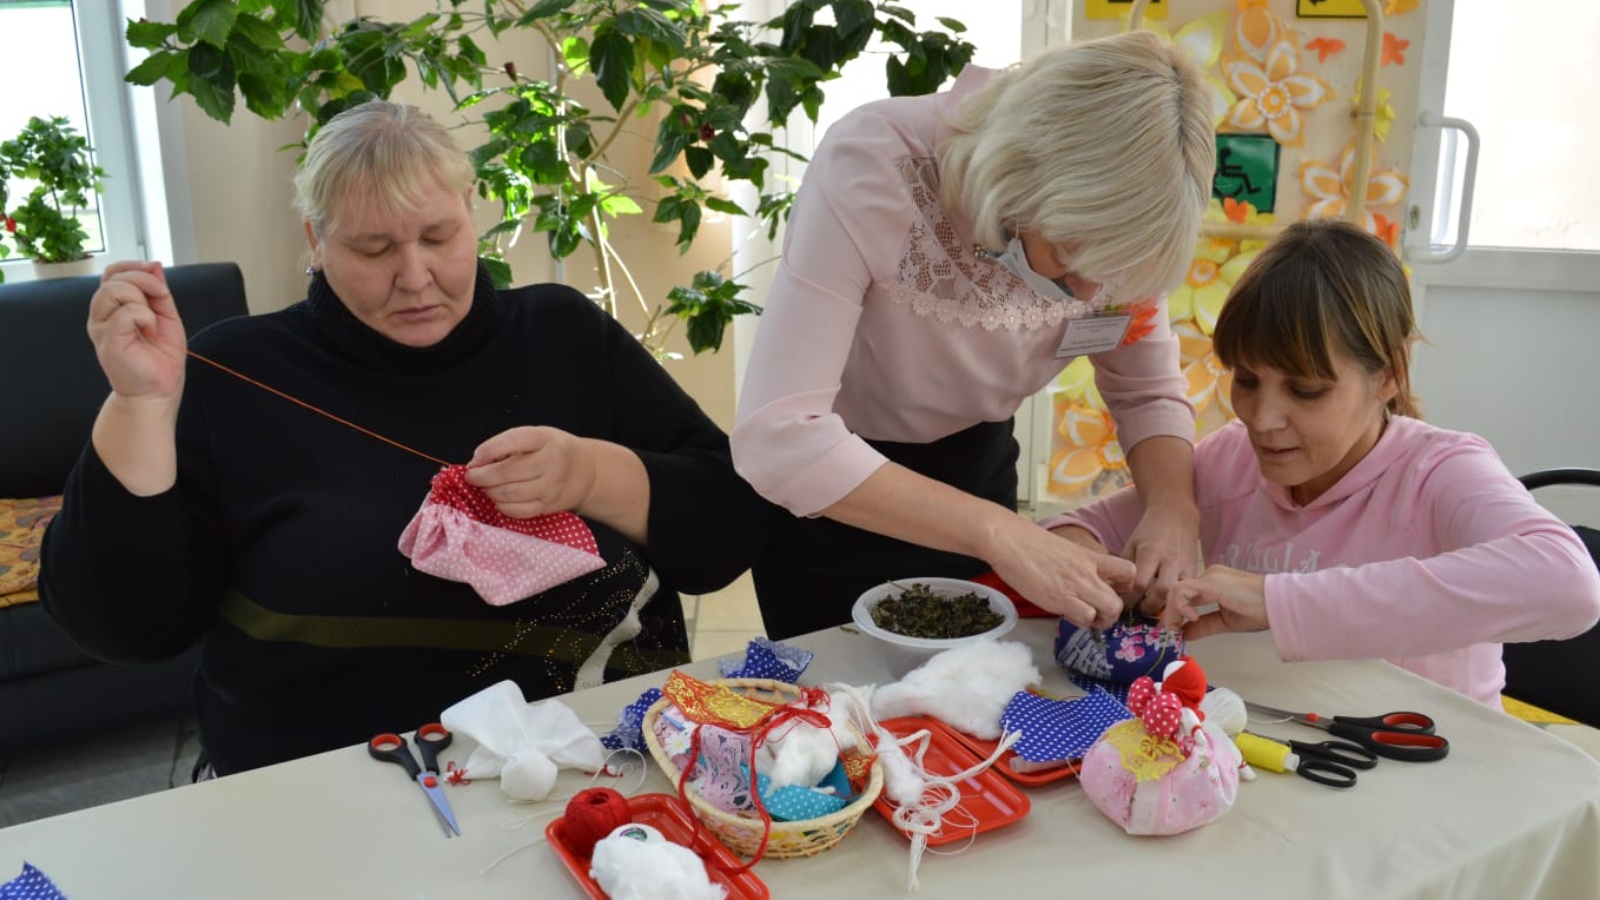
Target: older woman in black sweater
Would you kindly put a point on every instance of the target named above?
(208, 509)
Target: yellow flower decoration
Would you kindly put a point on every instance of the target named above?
(1383, 116)
(1087, 456)
(1266, 75)
(1203, 39)
(1396, 7)
(1329, 190)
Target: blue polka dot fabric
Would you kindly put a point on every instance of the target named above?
(1060, 730)
(629, 733)
(792, 803)
(30, 885)
(1117, 689)
(765, 658)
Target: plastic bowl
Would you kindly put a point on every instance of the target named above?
(903, 653)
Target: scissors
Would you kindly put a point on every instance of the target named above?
(1332, 763)
(430, 739)
(1406, 736)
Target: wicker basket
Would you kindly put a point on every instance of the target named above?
(742, 833)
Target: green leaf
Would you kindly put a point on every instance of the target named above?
(257, 32)
(213, 92)
(620, 205)
(699, 159)
(152, 70)
(898, 12)
(727, 207)
(206, 61)
(611, 57)
(670, 142)
(954, 25)
(213, 20)
(499, 270)
(307, 19)
(647, 23)
(544, 9)
(853, 17)
(149, 35)
(575, 53)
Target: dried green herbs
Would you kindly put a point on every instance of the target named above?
(918, 612)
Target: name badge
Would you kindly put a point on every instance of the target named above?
(1098, 333)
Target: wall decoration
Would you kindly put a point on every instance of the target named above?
(1247, 170)
(1324, 47)
(1399, 7)
(1394, 50)
(1266, 75)
(1383, 116)
(1329, 188)
(1118, 9)
(1330, 9)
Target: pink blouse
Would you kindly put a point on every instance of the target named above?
(887, 322)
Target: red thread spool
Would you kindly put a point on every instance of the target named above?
(593, 813)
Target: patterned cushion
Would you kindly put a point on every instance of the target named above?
(22, 524)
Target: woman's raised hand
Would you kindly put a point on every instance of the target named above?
(137, 334)
(1240, 599)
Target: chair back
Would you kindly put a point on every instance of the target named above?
(57, 386)
(1560, 676)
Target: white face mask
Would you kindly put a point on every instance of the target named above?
(1016, 259)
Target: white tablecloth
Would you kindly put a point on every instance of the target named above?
(1511, 813)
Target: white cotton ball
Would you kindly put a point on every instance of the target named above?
(528, 776)
(1226, 710)
(636, 862)
(966, 686)
(803, 756)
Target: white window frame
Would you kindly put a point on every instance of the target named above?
(102, 61)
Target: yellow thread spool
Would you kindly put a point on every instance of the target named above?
(1263, 753)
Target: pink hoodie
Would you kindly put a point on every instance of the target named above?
(1428, 553)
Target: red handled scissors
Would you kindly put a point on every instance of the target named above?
(430, 739)
(1406, 736)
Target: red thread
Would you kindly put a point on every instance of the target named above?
(321, 412)
(593, 813)
(455, 775)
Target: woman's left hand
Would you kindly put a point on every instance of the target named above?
(533, 470)
(1164, 549)
(1240, 598)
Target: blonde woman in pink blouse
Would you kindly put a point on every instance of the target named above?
(947, 257)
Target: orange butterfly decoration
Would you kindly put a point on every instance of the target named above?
(1236, 212)
(1325, 47)
(1386, 229)
(1394, 49)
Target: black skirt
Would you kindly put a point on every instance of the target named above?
(816, 568)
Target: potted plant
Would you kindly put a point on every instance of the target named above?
(58, 160)
(717, 91)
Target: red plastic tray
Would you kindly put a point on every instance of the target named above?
(983, 747)
(661, 812)
(986, 797)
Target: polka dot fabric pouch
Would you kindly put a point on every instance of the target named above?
(460, 535)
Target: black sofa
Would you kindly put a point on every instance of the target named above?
(51, 691)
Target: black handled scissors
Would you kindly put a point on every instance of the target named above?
(430, 739)
(1332, 763)
(1405, 736)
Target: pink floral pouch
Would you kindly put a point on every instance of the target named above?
(1163, 772)
(459, 534)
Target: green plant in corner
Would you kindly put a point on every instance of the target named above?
(717, 91)
(51, 153)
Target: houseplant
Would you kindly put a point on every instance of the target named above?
(716, 91)
(58, 160)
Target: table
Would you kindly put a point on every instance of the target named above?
(1511, 813)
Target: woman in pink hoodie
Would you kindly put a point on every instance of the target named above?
(1332, 515)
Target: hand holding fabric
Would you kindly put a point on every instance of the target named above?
(1240, 597)
(1061, 576)
(533, 470)
(1165, 549)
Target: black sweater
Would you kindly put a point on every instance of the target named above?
(278, 545)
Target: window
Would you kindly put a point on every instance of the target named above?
(1526, 80)
(66, 59)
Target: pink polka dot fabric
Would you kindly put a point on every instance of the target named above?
(459, 534)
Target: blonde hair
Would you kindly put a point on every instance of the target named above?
(1320, 287)
(389, 152)
(1104, 146)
